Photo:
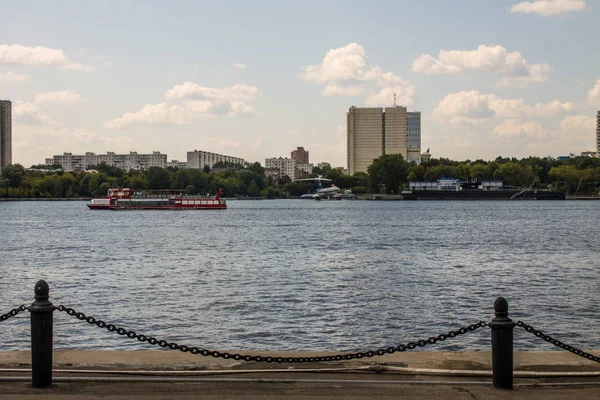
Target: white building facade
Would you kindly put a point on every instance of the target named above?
(133, 160)
(198, 159)
(286, 166)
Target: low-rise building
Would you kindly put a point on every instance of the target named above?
(177, 164)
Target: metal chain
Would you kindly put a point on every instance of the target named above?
(13, 313)
(558, 343)
(247, 357)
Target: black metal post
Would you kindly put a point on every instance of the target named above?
(41, 336)
(502, 345)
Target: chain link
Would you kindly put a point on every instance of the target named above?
(13, 313)
(558, 343)
(247, 357)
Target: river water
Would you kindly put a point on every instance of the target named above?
(305, 275)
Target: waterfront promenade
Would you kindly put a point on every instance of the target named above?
(168, 374)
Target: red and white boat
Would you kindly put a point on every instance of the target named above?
(127, 199)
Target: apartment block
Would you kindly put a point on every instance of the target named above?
(285, 166)
(198, 159)
(133, 160)
(300, 155)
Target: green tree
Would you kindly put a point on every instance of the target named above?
(190, 189)
(158, 178)
(253, 189)
(14, 173)
(390, 170)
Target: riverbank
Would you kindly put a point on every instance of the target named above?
(157, 374)
(428, 362)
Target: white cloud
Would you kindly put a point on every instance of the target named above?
(548, 8)
(428, 64)
(10, 76)
(346, 71)
(239, 108)
(30, 114)
(494, 59)
(512, 129)
(191, 90)
(38, 56)
(385, 97)
(63, 97)
(472, 108)
(578, 122)
(238, 65)
(335, 90)
(594, 94)
(193, 101)
(151, 114)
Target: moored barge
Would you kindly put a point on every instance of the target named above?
(127, 199)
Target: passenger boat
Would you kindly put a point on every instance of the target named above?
(127, 199)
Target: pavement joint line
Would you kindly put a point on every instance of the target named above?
(408, 371)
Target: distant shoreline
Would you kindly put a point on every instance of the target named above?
(391, 197)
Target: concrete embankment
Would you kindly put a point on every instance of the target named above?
(409, 362)
(158, 374)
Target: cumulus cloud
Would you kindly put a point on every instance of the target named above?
(10, 76)
(548, 8)
(335, 90)
(63, 97)
(17, 54)
(191, 90)
(346, 71)
(493, 59)
(30, 114)
(578, 122)
(238, 65)
(594, 94)
(151, 114)
(192, 101)
(472, 107)
(512, 129)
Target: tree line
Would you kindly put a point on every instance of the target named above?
(388, 173)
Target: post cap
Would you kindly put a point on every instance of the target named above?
(501, 307)
(42, 290)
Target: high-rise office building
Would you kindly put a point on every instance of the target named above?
(5, 133)
(300, 155)
(375, 131)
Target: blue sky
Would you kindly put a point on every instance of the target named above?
(258, 79)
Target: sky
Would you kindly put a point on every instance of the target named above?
(256, 79)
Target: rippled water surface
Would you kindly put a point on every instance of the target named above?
(305, 275)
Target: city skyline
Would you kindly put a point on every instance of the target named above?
(510, 78)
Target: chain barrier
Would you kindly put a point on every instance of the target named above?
(13, 313)
(558, 343)
(247, 357)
